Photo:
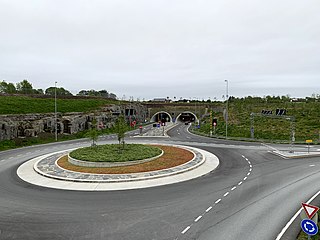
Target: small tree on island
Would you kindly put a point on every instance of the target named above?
(121, 128)
(93, 133)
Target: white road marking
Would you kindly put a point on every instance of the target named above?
(250, 169)
(312, 165)
(245, 178)
(185, 230)
(233, 188)
(198, 218)
(226, 194)
(239, 183)
(248, 173)
(219, 200)
(250, 166)
(208, 209)
(243, 156)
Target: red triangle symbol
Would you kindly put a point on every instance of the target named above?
(310, 209)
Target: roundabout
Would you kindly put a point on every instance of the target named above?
(46, 172)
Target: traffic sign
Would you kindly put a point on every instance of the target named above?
(309, 227)
(310, 209)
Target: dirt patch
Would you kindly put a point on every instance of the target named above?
(173, 156)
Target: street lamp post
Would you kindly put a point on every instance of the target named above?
(227, 115)
(55, 112)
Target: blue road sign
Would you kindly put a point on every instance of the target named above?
(309, 227)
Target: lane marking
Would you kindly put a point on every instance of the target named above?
(239, 183)
(208, 209)
(250, 169)
(312, 165)
(245, 178)
(243, 156)
(185, 230)
(248, 173)
(226, 194)
(198, 218)
(233, 188)
(219, 200)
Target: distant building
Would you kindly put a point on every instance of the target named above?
(163, 100)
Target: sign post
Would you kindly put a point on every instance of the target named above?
(309, 141)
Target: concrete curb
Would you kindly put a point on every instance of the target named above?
(288, 155)
(82, 163)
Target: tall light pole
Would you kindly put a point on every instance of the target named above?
(55, 112)
(227, 115)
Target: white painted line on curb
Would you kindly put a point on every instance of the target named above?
(226, 194)
(198, 218)
(233, 188)
(239, 183)
(208, 209)
(185, 230)
(219, 200)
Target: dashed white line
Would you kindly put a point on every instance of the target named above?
(250, 166)
(198, 218)
(248, 173)
(185, 230)
(208, 209)
(250, 169)
(239, 183)
(243, 156)
(245, 178)
(226, 194)
(233, 188)
(219, 200)
(312, 165)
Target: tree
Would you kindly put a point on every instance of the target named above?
(7, 88)
(24, 87)
(93, 133)
(121, 128)
(60, 91)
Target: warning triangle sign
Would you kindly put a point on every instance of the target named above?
(310, 210)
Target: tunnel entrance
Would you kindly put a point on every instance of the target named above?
(161, 117)
(186, 117)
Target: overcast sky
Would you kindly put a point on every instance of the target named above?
(160, 48)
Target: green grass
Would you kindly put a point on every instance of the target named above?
(307, 121)
(25, 104)
(111, 153)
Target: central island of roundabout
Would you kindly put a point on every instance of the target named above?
(110, 167)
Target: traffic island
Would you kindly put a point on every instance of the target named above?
(52, 171)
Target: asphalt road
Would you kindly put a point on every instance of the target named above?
(232, 202)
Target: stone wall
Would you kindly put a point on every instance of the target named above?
(30, 125)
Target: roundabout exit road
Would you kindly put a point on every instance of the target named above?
(252, 194)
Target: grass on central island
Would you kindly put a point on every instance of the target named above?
(173, 156)
(115, 153)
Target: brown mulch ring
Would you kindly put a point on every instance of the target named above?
(173, 156)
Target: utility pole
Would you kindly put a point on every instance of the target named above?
(227, 97)
(55, 112)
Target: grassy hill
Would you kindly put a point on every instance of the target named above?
(306, 124)
(27, 104)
